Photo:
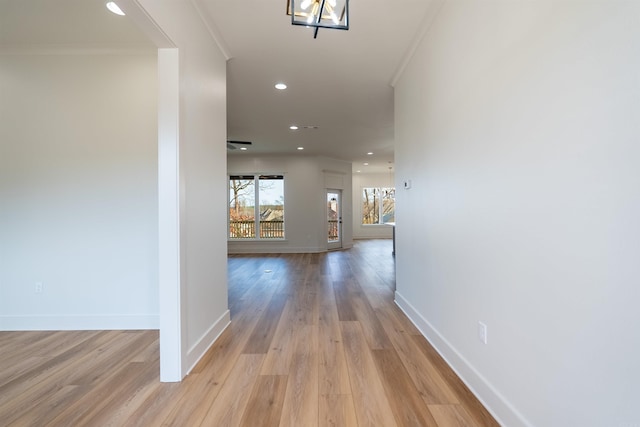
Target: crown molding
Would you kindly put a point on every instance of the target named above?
(213, 30)
(139, 15)
(433, 10)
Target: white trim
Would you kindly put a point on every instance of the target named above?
(213, 30)
(169, 216)
(143, 20)
(230, 174)
(205, 342)
(80, 322)
(501, 409)
(264, 249)
(433, 10)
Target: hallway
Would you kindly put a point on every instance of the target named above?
(315, 340)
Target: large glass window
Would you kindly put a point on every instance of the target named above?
(271, 202)
(378, 205)
(256, 202)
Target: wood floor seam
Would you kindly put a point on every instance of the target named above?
(316, 341)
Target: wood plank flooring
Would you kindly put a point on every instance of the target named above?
(315, 340)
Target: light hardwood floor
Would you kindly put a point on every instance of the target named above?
(315, 340)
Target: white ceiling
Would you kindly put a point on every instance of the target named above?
(59, 24)
(340, 82)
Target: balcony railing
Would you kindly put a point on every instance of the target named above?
(333, 230)
(270, 230)
(247, 230)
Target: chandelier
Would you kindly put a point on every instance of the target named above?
(319, 13)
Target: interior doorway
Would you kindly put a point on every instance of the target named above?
(334, 219)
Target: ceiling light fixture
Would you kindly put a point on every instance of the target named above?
(281, 86)
(369, 153)
(114, 8)
(319, 13)
(300, 148)
(293, 127)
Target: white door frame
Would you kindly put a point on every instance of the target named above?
(337, 243)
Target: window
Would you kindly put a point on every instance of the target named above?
(378, 205)
(256, 202)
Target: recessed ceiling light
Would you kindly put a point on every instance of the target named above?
(300, 148)
(243, 148)
(366, 164)
(293, 127)
(358, 171)
(113, 7)
(281, 86)
(369, 153)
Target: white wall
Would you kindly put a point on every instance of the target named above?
(198, 295)
(78, 199)
(369, 180)
(305, 200)
(517, 123)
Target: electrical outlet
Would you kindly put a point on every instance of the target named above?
(482, 332)
(38, 288)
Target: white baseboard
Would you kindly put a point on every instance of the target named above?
(79, 322)
(195, 353)
(253, 249)
(501, 409)
(249, 248)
